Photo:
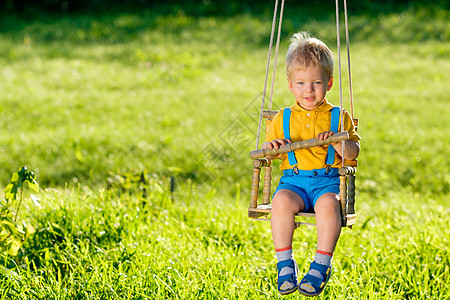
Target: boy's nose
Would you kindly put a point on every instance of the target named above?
(309, 87)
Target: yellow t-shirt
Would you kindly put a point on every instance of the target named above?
(304, 125)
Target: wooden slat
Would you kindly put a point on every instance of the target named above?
(343, 194)
(267, 185)
(347, 171)
(351, 163)
(261, 153)
(254, 192)
(351, 194)
(269, 114)
(351, 220)
(264, 209)
(262, 162)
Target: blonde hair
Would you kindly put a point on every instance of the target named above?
(305, 51)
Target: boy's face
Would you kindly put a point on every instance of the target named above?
(309, 86)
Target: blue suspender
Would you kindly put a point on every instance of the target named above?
(287, 134)
(335, 113)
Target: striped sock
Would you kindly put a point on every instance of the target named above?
(284, 254)
(323, 258)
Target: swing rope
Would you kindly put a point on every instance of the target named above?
(347, 39)
(276, 55)
(340, 70)
(341, 106)
(268, 66)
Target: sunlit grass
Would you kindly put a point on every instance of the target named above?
(94, 244)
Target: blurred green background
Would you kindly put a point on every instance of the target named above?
(91, 87)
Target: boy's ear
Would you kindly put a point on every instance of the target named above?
(290, 85)
(330, 84)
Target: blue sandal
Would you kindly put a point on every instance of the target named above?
(315, 284)
(288, 278)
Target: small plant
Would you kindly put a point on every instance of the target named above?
(12, 233)
(131, 181)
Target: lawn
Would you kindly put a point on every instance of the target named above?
(89, 99)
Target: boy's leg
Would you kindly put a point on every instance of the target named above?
(285, 204)
(328, 220)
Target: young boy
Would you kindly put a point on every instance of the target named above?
(310, 179)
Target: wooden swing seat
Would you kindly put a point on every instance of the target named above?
(346, 175)
(263, 210)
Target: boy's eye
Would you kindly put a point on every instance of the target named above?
(300, 82)
(317, 82)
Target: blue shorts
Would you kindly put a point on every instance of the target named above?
(310, 185)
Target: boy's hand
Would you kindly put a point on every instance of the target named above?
(324, 135)
(275, 144)
(351, 146)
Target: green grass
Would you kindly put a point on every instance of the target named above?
(83, 98)
(96, 246)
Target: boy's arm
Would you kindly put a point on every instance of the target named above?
(351, 147)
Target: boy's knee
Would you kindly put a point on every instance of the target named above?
(280, 200)
(328, 203)
(287, 200)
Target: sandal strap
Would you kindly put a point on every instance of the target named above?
(287, 277)
(323, 269)
(285, 263)
(315, 281)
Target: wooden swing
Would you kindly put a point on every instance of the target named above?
(346, 172)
